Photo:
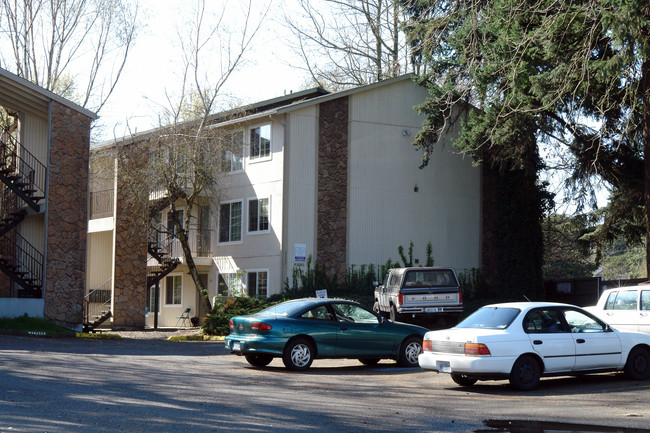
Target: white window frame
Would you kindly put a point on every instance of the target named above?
(230, 137)
(242, 222)
(259, 158)
(173, 277)
(235, 286)
(250, 272)
(248, 215)
(152, 300)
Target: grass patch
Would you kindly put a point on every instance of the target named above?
(34, 326)
(198, 337)
(96, 336)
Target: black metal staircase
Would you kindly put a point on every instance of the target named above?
(166, 264)
(97, 307)
(21, 191)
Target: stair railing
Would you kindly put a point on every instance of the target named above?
(9, 211)
(98, 300)
(23, 261)
(22, 163)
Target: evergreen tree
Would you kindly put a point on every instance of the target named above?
(573, 74)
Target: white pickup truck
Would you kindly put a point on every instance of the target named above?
(427, 291)
(625, 308)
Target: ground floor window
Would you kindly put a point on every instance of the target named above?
(229, 284)
(151, 300)
(173, 289)
(257, 283)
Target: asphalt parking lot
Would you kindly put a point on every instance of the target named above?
(69, 385)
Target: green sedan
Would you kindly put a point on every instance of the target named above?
(301, 330)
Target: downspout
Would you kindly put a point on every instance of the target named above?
(46, 202)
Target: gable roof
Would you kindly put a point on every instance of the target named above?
(22, 95)
(302, 103)
(279, 105)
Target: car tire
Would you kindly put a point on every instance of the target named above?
(376, 309)
(298, 354)
(409, 350)
(525, 373)
(637, 366)
(258, 359)
(463, 380)
(369, 361)
(394, 315)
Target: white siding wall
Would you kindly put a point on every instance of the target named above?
(169, 313)
(259, 179)
(300, 184)
(100, 259)
(35, 136)
(32, 229)
(384, 210)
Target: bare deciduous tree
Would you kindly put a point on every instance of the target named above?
(76, 48)
(186, 154)
(344, 43)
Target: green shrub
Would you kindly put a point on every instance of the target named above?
(217, 323)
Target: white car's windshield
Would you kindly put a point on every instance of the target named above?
(490, 318)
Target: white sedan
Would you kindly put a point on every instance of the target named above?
(522, 341)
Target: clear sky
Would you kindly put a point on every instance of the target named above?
(153, 67)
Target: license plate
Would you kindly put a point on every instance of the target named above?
(432, 309)
(236, 347)
(444, 367)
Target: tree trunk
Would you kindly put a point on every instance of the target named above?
(645, 89)
(194, 273)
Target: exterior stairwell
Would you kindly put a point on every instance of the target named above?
(97, 307)
(22, 189)
(166, 263)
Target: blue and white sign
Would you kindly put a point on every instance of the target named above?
(300, 253)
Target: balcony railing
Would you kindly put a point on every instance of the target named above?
(101, 204)
(200, 243)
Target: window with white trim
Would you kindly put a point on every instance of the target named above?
(230, 222)
(257, 284)
(260, 144)
(234, 149)
(173, 289)
(229, 284)
(151, 300)
(258, 215)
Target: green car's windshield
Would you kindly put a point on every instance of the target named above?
(284, 308)
(490, 318)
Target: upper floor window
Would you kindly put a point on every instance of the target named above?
(233, 150)
(260, 144)
(230, 222)
(258, 215)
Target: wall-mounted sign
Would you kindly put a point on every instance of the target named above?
(300, 253)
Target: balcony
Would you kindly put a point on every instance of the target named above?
(200, 245)
(101, 204)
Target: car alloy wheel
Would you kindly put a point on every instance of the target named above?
(298, 354)
(409, 351)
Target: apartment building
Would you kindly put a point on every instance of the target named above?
(331, 176)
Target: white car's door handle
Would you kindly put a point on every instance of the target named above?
(580, 341)
(538, 342)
